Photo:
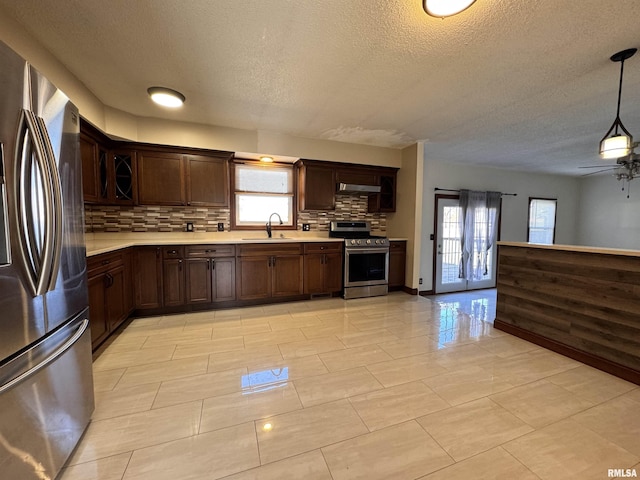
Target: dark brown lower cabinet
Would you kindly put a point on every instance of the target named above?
(173, 277)
(148, 277)
(210, 274)
(110, 293)
(322, 267)
(269, 270)
(397, 263)
(97, 309)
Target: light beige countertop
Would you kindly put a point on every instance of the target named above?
(575, 248)
(98, 243)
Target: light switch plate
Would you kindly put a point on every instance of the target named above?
(221, 227)
(189, 227)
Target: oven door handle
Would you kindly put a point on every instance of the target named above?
(366, 250)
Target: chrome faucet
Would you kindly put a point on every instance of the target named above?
(269, 223)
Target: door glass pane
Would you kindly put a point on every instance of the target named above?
(451, 248)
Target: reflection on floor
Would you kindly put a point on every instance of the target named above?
(394, 387)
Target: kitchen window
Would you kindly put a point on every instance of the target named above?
(260, 190)
(542, 220)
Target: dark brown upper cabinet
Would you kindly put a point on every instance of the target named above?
(318, 181)
(174, 176)
(207, 180)
(108, 172)
(161, 178)
(316, 186)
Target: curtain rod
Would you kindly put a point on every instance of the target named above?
(458, 191)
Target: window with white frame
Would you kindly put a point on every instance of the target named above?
(542, 220)
(260, 190)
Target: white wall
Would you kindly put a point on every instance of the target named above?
(514, 209)
(606, 217)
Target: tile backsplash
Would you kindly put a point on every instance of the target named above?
(100, 218)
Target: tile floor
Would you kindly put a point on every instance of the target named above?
(395, 387)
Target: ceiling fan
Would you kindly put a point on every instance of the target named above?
(618, 143)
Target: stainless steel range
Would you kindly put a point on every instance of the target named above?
(366, 259)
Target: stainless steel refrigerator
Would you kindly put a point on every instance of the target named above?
(46, 383)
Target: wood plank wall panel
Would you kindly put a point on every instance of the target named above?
(587, 302)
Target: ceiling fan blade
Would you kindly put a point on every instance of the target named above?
(599, 171)
(599, 166)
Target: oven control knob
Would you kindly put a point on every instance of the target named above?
(353, 242)
(368, 242)
(358, 242)
(377, 242)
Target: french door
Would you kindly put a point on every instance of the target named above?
(448, 249)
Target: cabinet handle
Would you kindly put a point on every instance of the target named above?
(106, 262)
(209, 251)
(109, 279)
(213, 264)
(274, 262)
(208, 264)
(172, 252)
(321, 248)
(180, 265)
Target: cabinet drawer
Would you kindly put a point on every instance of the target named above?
(398, 246)
(210, 251)
(258, 249)
(328, 247)
(172, 252)
(98, 264)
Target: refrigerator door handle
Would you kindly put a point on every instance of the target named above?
(56, 189)
(84, 324)
(35, 204)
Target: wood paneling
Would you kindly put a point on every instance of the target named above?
(587, 302)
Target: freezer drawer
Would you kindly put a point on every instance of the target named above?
(44, 411)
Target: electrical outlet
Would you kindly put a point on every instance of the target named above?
(221, 227)
(189, 226)
(306, 227)
(420, 281)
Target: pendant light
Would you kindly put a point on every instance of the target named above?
(166, 97)
(618, 142)
(445, 8)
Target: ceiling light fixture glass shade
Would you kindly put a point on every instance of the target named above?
(166, 97)
(615, 147)
(445, 8)
(618, 142)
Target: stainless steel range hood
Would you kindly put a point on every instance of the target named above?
(355, 188)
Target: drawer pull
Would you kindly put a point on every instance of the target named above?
(172, 252)
(106, 262)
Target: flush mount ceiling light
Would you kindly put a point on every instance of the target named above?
(618, 142)
(166, 97)
(266, 159)
(445, 8)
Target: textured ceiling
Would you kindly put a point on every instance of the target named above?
(518, 84)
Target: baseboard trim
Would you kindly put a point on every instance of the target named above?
(427, 293)
(621, 371)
